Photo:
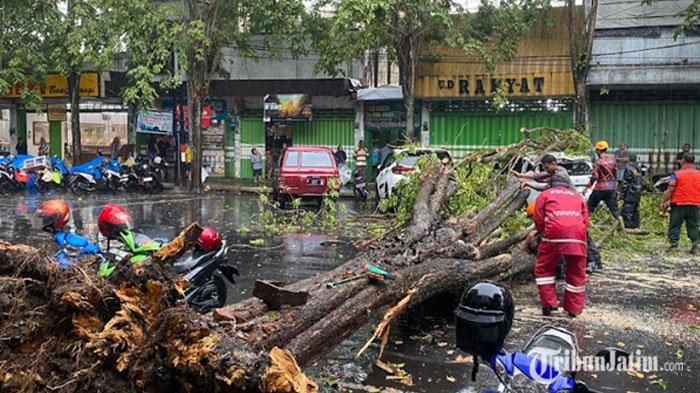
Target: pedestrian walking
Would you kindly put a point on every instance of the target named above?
(361, 157)
(561, 217)
(43, 147)
(683, 197)
(604, 183)
(679, 156)
(631, 192)
(186, 161)
(622, 158)
(114, 147)
(340, 156)
(256, 162)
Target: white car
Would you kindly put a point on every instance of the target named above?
(397, 165)
(580, 170)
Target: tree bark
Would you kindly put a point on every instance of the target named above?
(74, 91)
(195, 103)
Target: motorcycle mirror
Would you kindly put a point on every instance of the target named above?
(614, 356)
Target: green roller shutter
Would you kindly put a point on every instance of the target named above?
(252, 136)
(325, 132)
(463, 132)
(647, 126)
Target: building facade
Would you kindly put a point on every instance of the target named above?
(456, 91)
(644, 82)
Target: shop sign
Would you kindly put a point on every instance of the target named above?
(387, 116)
(56, 86)
(485, 86)
(56, 112)
(155, 122)
(287, 107)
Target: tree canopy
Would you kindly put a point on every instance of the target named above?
(407, 28)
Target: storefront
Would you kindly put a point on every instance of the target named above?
(100, 122)
(266, 114)
(457, 92)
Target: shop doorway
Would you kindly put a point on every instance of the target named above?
(278, 136)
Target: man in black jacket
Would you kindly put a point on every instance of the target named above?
(631, 192)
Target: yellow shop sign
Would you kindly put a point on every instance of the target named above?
(56, 86)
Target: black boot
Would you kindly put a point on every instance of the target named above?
(547, 311)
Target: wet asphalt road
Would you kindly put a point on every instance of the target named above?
(636, 307)
(287, 257)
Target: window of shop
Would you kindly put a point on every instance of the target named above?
(40, 130)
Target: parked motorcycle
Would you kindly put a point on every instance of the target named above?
(52, 176)
(100, 173)
(142, 176)
(483, 320)
(207, 273)
(360, 189)
(17, 173)
(206, 268)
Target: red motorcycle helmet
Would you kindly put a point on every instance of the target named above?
(209, 240)
(113, 220)
(54, 214)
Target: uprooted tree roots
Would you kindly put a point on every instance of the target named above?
(71, 330)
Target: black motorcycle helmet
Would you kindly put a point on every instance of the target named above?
(484, 318)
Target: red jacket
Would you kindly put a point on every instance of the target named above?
(561, 217)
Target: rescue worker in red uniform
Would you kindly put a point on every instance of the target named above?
(561, 217)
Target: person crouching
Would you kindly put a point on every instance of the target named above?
(561, 217)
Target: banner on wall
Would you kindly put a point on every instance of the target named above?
(155, 122)
(287, 107)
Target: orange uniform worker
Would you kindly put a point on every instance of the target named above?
(561, 218)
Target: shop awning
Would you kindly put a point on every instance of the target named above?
(389, 92)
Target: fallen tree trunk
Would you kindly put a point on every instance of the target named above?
(133, 331)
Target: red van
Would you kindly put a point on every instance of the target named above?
(304, 173)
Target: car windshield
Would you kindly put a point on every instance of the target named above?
(576, 168)
(411, 159)
(316, 160)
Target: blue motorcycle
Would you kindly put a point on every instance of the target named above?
(100, 173)
(13, 177)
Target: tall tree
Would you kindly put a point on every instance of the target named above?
(208, 26)
(407, 28)
(581, 34)
(71, 37)
(23, 52)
